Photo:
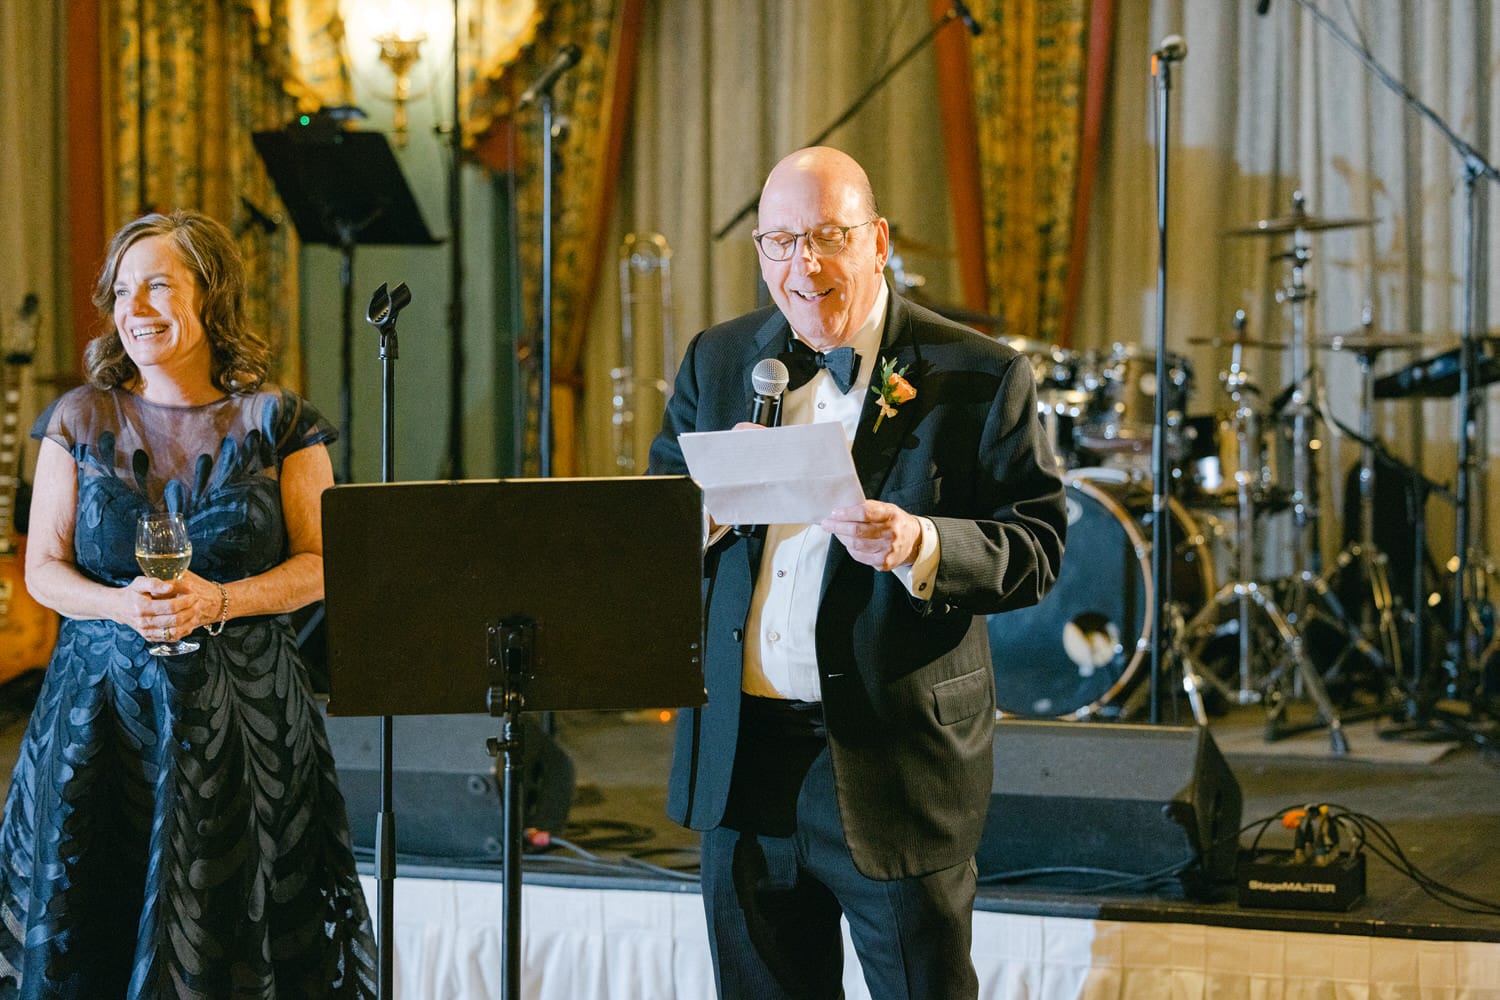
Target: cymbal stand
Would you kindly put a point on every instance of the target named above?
(1301, 410)
(1378, 615)
(1304, 410)
(1245, 591)
(1460, 650)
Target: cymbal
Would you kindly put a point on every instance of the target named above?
(1231, 341)
(1362, 341)
(1030, 345)
(1294, 223)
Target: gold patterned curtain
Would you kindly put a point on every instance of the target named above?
(1029, 70)
(186, 84)
(593, 100)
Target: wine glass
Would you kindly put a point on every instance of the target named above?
(163, 550)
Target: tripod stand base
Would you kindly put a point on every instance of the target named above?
(1295, 670)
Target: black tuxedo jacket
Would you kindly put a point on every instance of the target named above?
(908, 685)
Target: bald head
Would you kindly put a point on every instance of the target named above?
(825, 167)
(825, 298)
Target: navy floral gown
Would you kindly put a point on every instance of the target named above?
(174, 827)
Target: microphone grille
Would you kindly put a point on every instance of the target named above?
(769, 377)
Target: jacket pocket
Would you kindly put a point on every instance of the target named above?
(962, 697)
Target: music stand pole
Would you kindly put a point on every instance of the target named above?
(382, 315)
(1171, 50)
(511, 651)
(346, 345)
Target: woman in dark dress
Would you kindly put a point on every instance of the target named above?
(174, 827)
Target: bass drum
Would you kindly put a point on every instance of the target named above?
(1075, 653)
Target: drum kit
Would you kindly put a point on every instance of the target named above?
(1338, 637)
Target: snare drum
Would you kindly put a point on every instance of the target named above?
(1072, 655)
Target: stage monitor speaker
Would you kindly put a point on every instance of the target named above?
(446, 789)
(1082, 805)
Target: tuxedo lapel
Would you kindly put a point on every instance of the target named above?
(874, 451)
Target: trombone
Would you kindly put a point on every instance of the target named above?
(645, 304)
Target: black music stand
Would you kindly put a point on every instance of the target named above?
(504, 595)
(342, 188)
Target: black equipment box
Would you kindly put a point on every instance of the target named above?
(1277, 880)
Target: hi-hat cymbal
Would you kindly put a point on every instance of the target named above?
(1231, 342)
(1367, 342)
(1296, 222)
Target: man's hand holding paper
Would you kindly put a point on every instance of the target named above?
(777, 475)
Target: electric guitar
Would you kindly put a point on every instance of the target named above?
(27, 630)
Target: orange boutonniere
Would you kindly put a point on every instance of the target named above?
(892, 388)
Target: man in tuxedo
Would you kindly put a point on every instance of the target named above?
(842, 764)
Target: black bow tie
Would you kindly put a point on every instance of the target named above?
(803, 363)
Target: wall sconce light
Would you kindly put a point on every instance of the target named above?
(400, 54)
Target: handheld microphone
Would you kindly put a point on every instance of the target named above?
(962, 12)
(1173, 49)
(769, 379)
(567, 57)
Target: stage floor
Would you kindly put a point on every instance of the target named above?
(1440, 802)
(617, 852)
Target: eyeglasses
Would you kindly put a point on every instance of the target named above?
(825, 241)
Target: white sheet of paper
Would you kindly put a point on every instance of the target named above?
(780, 475)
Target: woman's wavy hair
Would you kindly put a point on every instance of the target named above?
(239, 357)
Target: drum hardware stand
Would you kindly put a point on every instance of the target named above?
(1458, 657)
(1302, 411)
(1378, 614)
(1244, 590)
(1307, 594)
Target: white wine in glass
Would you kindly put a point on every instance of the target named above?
(163, 550)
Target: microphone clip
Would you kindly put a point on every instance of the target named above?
(384, 307)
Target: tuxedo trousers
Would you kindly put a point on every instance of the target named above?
(778, 875)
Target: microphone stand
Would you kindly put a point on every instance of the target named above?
(382, 315)
(456, 359)
(1460, 679)
(540, 93)
(1161, 529)
(956, 12)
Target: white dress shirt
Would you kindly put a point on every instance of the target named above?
(780, 649)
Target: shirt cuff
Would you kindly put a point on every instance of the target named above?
(920, 578)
